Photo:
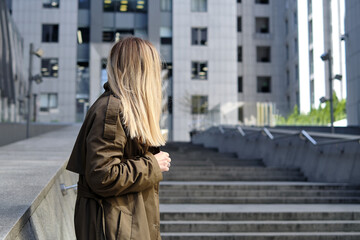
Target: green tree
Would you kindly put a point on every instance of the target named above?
(319, 116)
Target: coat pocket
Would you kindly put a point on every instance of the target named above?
(124, 228)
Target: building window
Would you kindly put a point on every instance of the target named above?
(264, 84)
(309, 7)
(241, 114)
(83, 35)
(239, 52)
(286, 26)
(287, 52)
(239, 24)
(262, 1)
(125, 6)
(238, 1)
(49, 67)
(296, 72)
(296, 43)
(198, 5)
(312, 92)
(262, 25)
(295, 18)
(263, 54)
(311, 62)
(199, 36)
(51, 3)
(287, 77)
(84, 4)
(310, 32)
(165, 35)
(50, 32)
(48, 101)
(166, 5)
(199, 104)
(199, 70)
(168, 68)
(240, 84)
(170, 104)
(111, 36)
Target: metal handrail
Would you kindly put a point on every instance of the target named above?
(241, 131)
(221, 129)
(308, 137)
(65, 188)
(287, 136)
(339, 141)
(268, 133)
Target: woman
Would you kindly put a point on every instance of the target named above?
(116, 153)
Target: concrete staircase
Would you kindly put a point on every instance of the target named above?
(212, 195)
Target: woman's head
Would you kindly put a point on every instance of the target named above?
(134, 74)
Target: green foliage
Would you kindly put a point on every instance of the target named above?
(319, 116)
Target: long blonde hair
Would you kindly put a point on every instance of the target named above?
(134, 75)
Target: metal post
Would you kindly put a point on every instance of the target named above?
(331, 92)
(29, 90)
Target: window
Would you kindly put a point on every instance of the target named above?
(165, 5)
(238, 1)
(83, 35)
(241, 114)
(262, 1)
(296, 43)
(310, 32)
(50, 32)
(240, 85)
(170, 103)
(264, 84)
(84, 4)
(168, 68)
(296, 72)
(199, 104)
(263, 54)
(199, 70)
(49, 67)
(309, 7)
(239, 23)
(287, 77)
(262, 25)
(199, 36)
(111, 36)
(104, 76)
(286, 26)
(51, 3)
(295, 18)
(125, 6)
(239, 54)
(198, 5)
(287, 51)
(48, 101)
(312, 94)
(311, 62)
(166, 35)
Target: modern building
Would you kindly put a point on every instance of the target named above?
(225, 62)
(321, 26)
(352, 39)
(50, 25)
(12, 81)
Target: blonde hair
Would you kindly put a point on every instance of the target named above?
(134, 75)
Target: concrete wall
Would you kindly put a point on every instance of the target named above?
(52, 214)
(329, 163)
(12, 132)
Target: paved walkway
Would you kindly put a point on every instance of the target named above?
(26, 169)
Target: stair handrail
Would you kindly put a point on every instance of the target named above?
(241, 131)
(338, 141)
(308, 137)
(268, 133)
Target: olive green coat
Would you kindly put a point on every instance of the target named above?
(118, 178)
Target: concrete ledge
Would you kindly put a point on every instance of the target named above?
(31, 203)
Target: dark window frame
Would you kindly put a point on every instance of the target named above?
(46, 63)
(50, 4)
(263, 84)
(50, 33)
(197, 36)
(49, 107)
(266, 57)
(195, 73)
(201, 105)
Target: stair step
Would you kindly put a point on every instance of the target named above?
(232, 178)
(262, 236)
(259, 226)
(259, 216)
(257, 193)
(254, 200)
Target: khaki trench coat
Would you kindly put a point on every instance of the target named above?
(118, 178)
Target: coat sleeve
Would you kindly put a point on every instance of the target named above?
(106, 174)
